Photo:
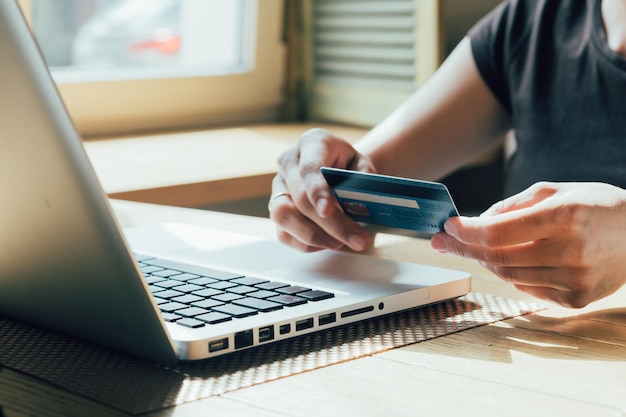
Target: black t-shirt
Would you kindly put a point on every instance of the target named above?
(549, 64)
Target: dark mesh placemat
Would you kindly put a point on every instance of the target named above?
(136, 386)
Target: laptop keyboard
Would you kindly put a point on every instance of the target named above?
(194, 296)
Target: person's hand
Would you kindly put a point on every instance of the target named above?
(303, 206)
(564, 242)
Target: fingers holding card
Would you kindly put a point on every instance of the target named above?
(392, 204)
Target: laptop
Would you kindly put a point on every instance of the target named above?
(166, 292)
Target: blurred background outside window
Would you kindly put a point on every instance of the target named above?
(124, 39)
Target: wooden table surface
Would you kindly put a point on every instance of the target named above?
(557, 362)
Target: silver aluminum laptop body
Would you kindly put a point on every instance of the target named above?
(65, 264)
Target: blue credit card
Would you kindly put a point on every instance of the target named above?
(392, 204)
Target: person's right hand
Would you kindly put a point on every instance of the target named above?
(302, 205)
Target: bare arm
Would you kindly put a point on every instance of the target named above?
(446, 123)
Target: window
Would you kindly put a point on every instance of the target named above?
(370, 56)
(137, 65)
(125, 39)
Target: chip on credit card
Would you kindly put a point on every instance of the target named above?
(391, 204)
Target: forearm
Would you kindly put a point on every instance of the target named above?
(447, 122)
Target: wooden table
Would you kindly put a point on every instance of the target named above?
(557, 362)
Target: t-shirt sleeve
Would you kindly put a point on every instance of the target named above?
(488, 41)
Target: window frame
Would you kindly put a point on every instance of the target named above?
(116, 107)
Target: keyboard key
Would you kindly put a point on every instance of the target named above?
(242, 289)
(169, 294)
(169, 307)
(187, 299)
(292, 289)
(202, 281)
(189, 322)
(251, 281)
(214, 317)
(235, 311)
(170, 316)
(148, 269)
(166, 273)
(288, 300)
(152, 279)
(184, 276)
(262, 294)
(258, 304)
(272, 285)
(191, 311)
(208, 292)
(208, 304)
(227, 297)
(222, 285)
(169, 283)
(155, 289)
(187, 288)
(315, 295)
(159, 300)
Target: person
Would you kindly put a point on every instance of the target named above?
(554, 73)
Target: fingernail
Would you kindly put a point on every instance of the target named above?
(357, 242)
(439, 244)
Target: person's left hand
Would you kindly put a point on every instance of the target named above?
(564, 242)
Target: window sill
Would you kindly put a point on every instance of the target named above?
(197, 168)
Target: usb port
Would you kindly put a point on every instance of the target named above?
(327, 318)
(284, 328)
(218, 345)
(266, 333)
(304, 324)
